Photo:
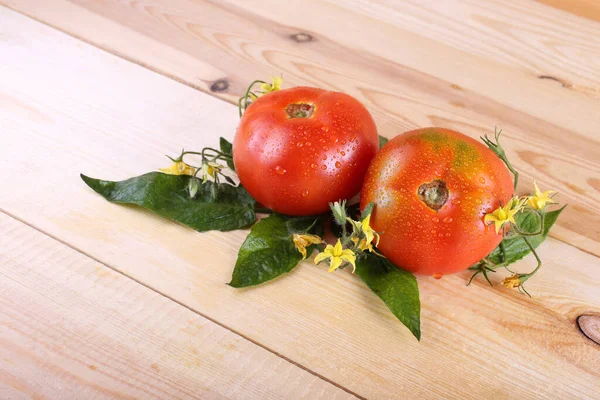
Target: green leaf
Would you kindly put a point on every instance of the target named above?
(515, 247)
(168, 196)
(397, 288)
(269, 251)
(382, 141)
(227, 148)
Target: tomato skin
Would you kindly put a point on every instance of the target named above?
(416, 237)
(296, 166)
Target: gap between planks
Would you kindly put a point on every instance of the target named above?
(262, 346)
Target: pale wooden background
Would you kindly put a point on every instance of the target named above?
(103, 301)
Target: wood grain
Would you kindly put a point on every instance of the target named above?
(74, 108)
(73, 328)
(550, 124)
(583, 8)
(535, 41)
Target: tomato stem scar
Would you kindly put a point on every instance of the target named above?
(434, 194)
(300, 110)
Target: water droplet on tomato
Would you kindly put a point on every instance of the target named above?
(447, 220)
(299, 144)
(305, 193)
(323, 167)
(438, 276)
(325, 128)
(338, 164)
(280, 170)
(343, 141)
(435, 219)
(313, 165)
(482, 179)
(343, 153)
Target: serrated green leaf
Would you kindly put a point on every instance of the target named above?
(168, 196)
(382, 141)
(515, 247)
(268, 251)
(397, 288)
(227, 148)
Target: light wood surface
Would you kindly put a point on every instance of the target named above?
(583, 8)
(522, 66)
(67, 107)
(74, 328)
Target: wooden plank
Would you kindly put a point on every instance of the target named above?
(406, 82)
(531, 39)
(73, 328)
(75, 108)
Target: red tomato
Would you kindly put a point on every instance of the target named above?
(298, 149)
(431, 188)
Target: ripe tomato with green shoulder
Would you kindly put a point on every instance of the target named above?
(296, 150)
(432, 188)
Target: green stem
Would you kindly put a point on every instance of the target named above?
(245, 97)
(497, 148)
(312, 225)
(204, 150)
(344, 234)
(539, 262)
(512, 170)
(240, 106)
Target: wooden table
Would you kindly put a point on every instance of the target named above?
(106, 301)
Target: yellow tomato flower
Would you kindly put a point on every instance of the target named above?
(512, 281)
(365, 245)
(179, 168)
(369, 232)
(540, 199)
(209, 169)
(502, 215)
(337, 255)
(272, 87)
(302, 241)
(364, 226)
